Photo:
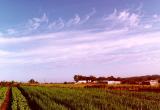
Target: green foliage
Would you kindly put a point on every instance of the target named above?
(19, 102)
(91, 99)
(3, 91)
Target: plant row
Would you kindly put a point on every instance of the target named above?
(3, 91)
(88, 99)
(19, 102)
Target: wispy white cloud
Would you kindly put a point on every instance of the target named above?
(88, 16)
(65, 46)
(4, 53)
(63, 36)
(56, 25)
(36, 22)
(147, 26)
(11, 31)
(57, 47)
(74, 21)
(124, 18)
(1, 34)
(156, 17)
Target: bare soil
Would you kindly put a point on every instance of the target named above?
(6, 105)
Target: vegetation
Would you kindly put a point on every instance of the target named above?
(129, 80)
(3, 91)
(91, 99)
(19, 102)
(92, 78)
(32, 81)
(80, 97)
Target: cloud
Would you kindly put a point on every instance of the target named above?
(147, 26)
(62, 36)
(88, 16)
(56, 25)
(35, 23)
(125, 18)
(58, 47)
(117, 44)
(156, 17)
(11, 31)
(111, 16)
(74, 21)
(44, 24)
(1, 34)
(4, 53)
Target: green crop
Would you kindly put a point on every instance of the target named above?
(3, 91)
(91, 99)
(19, 102)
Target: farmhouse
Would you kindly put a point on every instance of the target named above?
(153, 82)
(82, 81)
(150, 82)
(114, 82)
(110, 82)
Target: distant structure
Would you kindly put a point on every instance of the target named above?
(114, 82)
(92, 79)
(153, 82)
(103, 81)
(150, 82)
(81, 82)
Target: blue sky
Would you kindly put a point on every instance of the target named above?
(52, 40)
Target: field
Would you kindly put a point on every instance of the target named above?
(3, 91)
(77, 97)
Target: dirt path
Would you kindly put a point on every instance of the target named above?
(7, 102)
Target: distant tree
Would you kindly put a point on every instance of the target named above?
(32, 81)
(101, 79)
(80, 77)
(92, 78)
(76, 78)
(12, 82)
(3, 83)
(111, 78)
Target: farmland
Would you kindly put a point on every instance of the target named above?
(19, 102)
(59, 97)
(3, 91)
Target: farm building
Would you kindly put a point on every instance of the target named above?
(114, 82)
(153, 82)
(110, 82)
(150, 82)
(82, 81)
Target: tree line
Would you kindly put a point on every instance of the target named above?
(128, 80)
(93, 78)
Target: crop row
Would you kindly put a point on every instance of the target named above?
(19, 102)
(40, 101)
(141, 95)
(3, 91)
(55, 98)
(87, 99)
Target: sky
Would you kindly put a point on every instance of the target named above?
(52, 40)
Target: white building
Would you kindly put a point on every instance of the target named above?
(114, 82)
(111, 82)
(153, 82)
(83, 81)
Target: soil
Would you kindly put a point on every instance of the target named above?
(6, 105)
